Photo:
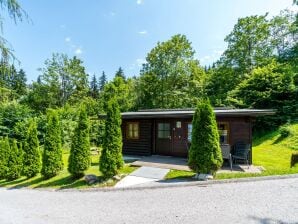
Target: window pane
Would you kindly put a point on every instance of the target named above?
(223, 133)
(132, 130)
(189, 131)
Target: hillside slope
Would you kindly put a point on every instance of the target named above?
(273, 151)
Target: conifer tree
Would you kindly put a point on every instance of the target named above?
(52, 155)
(4, 150)
(102, 81)
(15, 162)
(79, 159)
(120, 73)
(205, 153)
(111, 158)
(94, 87)
(31, 160)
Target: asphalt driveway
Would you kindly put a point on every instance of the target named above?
(269, 201)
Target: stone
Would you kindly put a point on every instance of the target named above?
(117, 177)
(204, 177)
(91, 178)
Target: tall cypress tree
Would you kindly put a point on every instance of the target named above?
(31, 160)
(205, 153)
(52, 155)
(111, 157)
(79, 158)
(15, 162)
(4, 153)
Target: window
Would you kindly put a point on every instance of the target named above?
(189, 131)
(132, 130)
(223, 130)
(163, 130)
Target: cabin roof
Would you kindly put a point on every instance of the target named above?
(186, 113)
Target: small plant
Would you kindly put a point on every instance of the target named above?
(4, 150)
(32, 160)
(52, 162)
(285, 131)
(79, 158)
(294, 159)
(205, 153)
(15, 162)
(111, 158)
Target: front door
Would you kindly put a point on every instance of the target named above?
(171, 137)
(163, 137)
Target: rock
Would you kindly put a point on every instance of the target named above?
(204, 177)
(117, 177)
(91, 179)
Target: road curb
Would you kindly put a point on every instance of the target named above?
(162, 185)
(185, 184)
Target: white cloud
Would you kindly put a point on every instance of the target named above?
(67, 39)
(78, 51)
(139, 2)
(140, 61)
(143, 32)
(209, 59)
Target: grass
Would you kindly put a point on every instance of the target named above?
(271, 151)
(64, 180)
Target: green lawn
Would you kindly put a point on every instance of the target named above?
(270, 151)
(64, 179)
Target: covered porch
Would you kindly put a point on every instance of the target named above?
(178, 163)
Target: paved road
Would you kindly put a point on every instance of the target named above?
(270, 201)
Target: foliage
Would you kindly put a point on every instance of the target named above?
(4, 156)
(31, 160)
(168, 74)
(270, 86)
(63, 80)
(122, 90)
(111, 157)
(16, 13)
(79, 159)
(52, 162)
(205, 153)
(15, 162)
(10, 115)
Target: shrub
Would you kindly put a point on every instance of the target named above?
(15, 162)
(52, 155)
(111, 157)
(32, 160)
(294, 159)
(285, 131)
(205, 153)
(79, 159)
(4, 150)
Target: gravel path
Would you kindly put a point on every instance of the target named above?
(270, 201)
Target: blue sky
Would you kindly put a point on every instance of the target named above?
(112, 33)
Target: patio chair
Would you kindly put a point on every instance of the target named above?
(226, 154)
(241, 152)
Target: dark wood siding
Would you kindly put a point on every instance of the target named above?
(141, 146)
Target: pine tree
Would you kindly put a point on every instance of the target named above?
(79, 159)
(15, 162)
(120, 73)
(94, 87)
(4, 150)
(18, 83)
(102, 81)
(52, 155)
(31, 160)
(111, 158)
(205, 153)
